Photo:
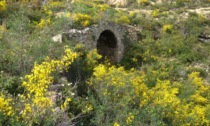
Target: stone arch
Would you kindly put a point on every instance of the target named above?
(122, 35)
(118, 32)
(107, 45)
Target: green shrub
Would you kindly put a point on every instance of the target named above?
(180, 3)
(9, 83)
(133, 56)
(127, 97)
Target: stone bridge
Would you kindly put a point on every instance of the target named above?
(109, 38)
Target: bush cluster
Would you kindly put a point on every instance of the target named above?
(162, 79)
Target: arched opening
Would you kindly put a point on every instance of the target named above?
(106, 45)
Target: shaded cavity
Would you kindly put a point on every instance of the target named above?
(106, 45)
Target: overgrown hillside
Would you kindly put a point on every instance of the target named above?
(163, 78)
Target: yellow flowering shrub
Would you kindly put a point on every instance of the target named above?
(65, 104)
(122, 88)
(94, 4)
(155, 13)
(34, 103)
(27, 110)
(100, 71)
(116, 124)
(167, 28)
(130, 118)
(102, 7)
(195, 106)
(88, 107)
(37, 83)
(68, 15)
(93, 58)
(201, 95)
(197, 98)
(6, 105)
(163, 94)
(123, 19)
(3, 5)
(150, 94)
(147, 56)
(82, 19)
(88, 12)
(43, 22)
(50, 11)
(117, 87)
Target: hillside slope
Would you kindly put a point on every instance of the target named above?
(162, 79)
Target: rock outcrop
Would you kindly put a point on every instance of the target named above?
(118, 3)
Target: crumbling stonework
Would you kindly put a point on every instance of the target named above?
(118, 3)
(106, 32)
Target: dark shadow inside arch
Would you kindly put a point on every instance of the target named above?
(106, 45)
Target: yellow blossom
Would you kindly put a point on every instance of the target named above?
(99, 71)
(85, 23)
(199, 99)
(68, 15)
(3, 5)
(5, 106)
(88, 108)
(116, 124)
(130, 118)
(36, 84)
(167, 28)
(65, 104)
(155, 13)
(82, 19)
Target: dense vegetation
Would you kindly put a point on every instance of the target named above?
(163, 79)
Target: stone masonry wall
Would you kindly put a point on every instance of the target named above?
(88, 36)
